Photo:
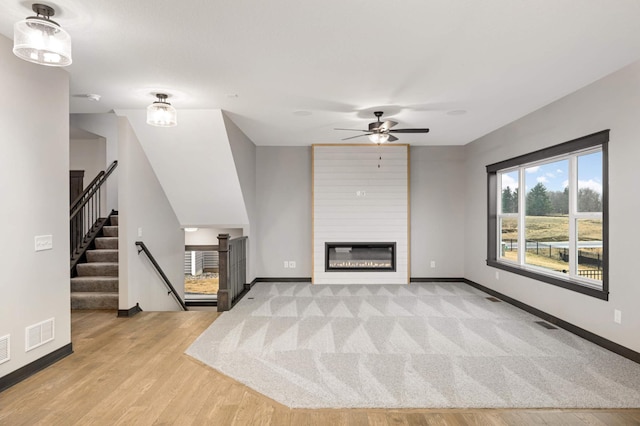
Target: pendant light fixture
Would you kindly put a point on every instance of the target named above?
(161, 113)
(40, 40)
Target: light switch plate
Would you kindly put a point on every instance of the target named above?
(44, 242)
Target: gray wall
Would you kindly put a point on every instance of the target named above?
(34, 183)
(283, 195)
(244, 157)
(437, 211)
(145, 206)
(611, 103)
(284, 205)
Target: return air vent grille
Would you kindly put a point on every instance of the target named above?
(39, 334)
(5, 349)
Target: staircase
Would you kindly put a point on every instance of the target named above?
(96, 283)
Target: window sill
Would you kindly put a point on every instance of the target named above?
(576, 286)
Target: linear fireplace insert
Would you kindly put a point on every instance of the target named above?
(353, 257)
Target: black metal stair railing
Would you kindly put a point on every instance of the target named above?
(143, 248)
(84, 214)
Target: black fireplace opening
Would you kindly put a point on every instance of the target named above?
(354, 257)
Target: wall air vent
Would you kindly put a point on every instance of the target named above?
(5, 349)
(39, 334)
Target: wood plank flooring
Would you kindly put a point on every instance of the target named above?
(133, 371)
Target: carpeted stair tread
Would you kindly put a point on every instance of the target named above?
(102, 255)
(106, 243)
(94, 284)
(110, 231)
(94, 300)
(96, 269)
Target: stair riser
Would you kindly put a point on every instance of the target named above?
(110, 231)
(114, 220)
(102, 256)
(106, 243)
(97, 269)
(98, 301)
(79, 284)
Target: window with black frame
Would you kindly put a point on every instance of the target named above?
(548, 215)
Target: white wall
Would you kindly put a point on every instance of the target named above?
(194, 164)
(88, 155)
(379, 214)
(283, 195)
(611, 103)
(34, 183)
(244, 157)
(437, 211)
(106, 126)
(209, 236)
(145, 209)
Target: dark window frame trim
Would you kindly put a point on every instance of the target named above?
(595, 139)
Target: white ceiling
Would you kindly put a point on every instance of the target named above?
(340, 60)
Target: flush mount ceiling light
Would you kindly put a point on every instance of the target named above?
(190, 229)
(40, 40)
(379, 137)
(161, 113)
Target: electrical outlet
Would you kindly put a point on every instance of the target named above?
(139, 232)
(286, 264)
(497, 275)
(433, 263)
(292, 264)
(44, 242)
(617, 316)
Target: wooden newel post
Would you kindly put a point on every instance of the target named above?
(224, 301)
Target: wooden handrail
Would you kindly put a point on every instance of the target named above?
(143, 248)
(91, 190)
(86, 190)
(84, 215)
(231, 270)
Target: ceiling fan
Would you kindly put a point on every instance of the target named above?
(379, 131)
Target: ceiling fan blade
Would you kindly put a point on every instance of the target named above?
(409, 130)
(353, 130)
(356, 136)
(379, 126)
(392, 138)
(387, 125)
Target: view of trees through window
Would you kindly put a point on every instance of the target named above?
(562, 220)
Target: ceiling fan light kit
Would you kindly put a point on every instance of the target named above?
(40, 40)
(379, 131)
(161, 113)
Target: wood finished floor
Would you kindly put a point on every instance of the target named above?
(133, 371)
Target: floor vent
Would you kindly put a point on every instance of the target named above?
(546, 325)
(39, 334)
(493, 299)
(5, 349)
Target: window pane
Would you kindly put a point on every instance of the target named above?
(509, 187)
(509, 238)
(590, 248)
(547, 242)
(547, 189)
(590, 182)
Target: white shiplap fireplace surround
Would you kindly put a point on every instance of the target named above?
(361, 195)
